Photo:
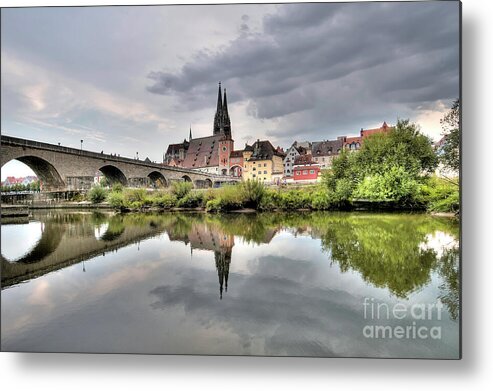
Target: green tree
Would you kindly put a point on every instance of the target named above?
(403, 146)
(450, 152)
(390, 166)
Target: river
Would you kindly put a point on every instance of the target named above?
(278, 284)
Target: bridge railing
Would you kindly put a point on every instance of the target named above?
(9, 140)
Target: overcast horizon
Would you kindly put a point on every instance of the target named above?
(131, 79)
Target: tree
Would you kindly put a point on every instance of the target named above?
(390, 166)
(403, 146)
(450, 152)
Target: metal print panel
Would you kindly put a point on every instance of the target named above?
(243, 179)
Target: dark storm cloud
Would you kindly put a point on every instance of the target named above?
(310, 56)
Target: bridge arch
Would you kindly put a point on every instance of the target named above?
(203, 183)
(236, 171)
(113, 174)
(50, 238)
(45, 171)
(158, 180)
(186, 178)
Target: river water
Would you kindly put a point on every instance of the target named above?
(300, 284)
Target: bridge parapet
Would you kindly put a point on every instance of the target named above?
(66, 168)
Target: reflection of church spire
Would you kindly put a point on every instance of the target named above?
(223, 259)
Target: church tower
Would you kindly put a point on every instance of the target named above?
(222, 123)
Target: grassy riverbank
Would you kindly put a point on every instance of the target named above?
(435, 195)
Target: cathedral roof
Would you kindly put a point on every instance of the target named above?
(203, 152)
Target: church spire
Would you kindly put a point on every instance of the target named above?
(218, 117)
(190, 135)
(226, 120)
(219, 99)
(225, 105)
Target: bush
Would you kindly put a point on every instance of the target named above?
(97, 195)
(294, 199)
(181, 189)
(226, 198)
(136, 198)
(116, 200)
(213, 205)
(193, 199)
(117, 188)
(321, 200)
(164, 200)
(251, 193)
(270, 200)
(394, 184)
(441, 195)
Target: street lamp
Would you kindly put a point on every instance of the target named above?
(81, 141)
(137, 156)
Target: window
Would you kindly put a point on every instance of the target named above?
(224, 148)
(265, 164)
(312, 171)
(297, 173)
(254, 168)
(265, 172)
(305, 172)
(253, 175)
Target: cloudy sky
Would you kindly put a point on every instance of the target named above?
(133, 79)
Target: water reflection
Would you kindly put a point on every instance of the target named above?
(296, 280)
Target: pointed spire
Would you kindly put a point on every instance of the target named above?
(226, 120)
(219, 99)
(218, 117)
(225, 105)
(190, 135)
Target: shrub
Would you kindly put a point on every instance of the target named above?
(224, 199)
(164, 200)
(117, 187)
(230, 198)
(252, 193)
(294, 199)
(181, 189)
(441, 195)
(116, 200)
(97, 195)
(270, 200)
(395, 184)
(136, 198)
(194, 199)
(321, 200)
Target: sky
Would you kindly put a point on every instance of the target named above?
(134, 79)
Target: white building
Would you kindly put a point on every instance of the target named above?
(295, 150)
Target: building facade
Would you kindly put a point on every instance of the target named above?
(306, 170)
(323, 152)
(292, 153)
(263, 162)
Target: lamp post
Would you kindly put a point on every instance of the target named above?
(137, 156)
(81, 141)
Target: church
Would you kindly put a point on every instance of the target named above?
(211, 154)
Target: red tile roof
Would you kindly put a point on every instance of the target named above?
(203, 152)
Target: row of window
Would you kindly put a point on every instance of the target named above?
(305, 172)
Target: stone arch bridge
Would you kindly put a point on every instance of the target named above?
(63, 169)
